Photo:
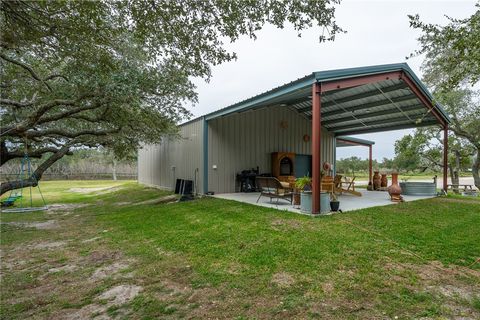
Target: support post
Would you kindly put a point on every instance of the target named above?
(316, 146)
(205, 155)
(370, 164)
(445, 158)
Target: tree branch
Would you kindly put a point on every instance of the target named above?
(69, 134)
(26, 68)
(464, 134)
(7, 155)
(32, 181)
(62, 115)
(54, 76)
(34, 118)
(9, 102)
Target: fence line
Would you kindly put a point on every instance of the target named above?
(75, 176)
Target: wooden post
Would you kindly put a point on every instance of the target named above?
(445, 158)
(316, 146)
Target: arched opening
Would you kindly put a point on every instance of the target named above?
(286, 166)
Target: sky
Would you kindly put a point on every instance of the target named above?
(378, 32)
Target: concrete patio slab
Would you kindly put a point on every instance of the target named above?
(347, 202)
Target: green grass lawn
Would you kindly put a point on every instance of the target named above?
(213, 258)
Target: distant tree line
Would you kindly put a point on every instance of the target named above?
(82, 164)
(410, 158)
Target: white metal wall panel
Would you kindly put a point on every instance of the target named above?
(161, 164)
(246, 140)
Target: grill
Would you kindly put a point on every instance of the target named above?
(246, 179)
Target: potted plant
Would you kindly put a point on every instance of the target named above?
(304, 184)
(334, 203)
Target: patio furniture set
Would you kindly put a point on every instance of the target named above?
(273, 188)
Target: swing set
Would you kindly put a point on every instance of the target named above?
(25, 201)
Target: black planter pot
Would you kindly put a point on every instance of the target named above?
(334, 205)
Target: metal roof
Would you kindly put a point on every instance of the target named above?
(388, 104)
(344, 141)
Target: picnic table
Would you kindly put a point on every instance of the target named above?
(466, 187)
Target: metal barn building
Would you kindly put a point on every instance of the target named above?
(304, 117)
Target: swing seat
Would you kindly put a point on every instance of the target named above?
(26, 173)
(10, 201)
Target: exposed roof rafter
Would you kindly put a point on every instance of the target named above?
(399, 126)
(368, 115)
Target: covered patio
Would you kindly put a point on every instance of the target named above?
(336, 104)
(348, 202)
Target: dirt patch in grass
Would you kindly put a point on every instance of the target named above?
(87, 312)
(65, 268)
(120, 294)
(123, 203)
(283, 279)
(109, 270)
(286, 224)
(171, 198)
(328, 308)
(116, 296)
(56, 207)
(45, 225)
(47, 245)
(100, 257)
(435, 270)
(173, 288)
(91, 239)
(90, 190)
(458, 286)
(328, 287)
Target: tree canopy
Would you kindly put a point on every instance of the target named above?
(452, 52)
(118, 73)
(423, 149)
(452, 70)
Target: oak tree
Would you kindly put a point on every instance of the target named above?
(452, 70)
(118, 74)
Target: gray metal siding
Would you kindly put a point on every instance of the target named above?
(246, 140)
(161, 164)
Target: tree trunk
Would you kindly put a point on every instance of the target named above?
(32, 181)
(456, 172)
(114, 169)
(453, 177)
(476, 169)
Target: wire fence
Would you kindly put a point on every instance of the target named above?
(75, 176)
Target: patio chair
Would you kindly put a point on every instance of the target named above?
(350, 187)
(337, 183)
(272, 188)
(327, 184)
